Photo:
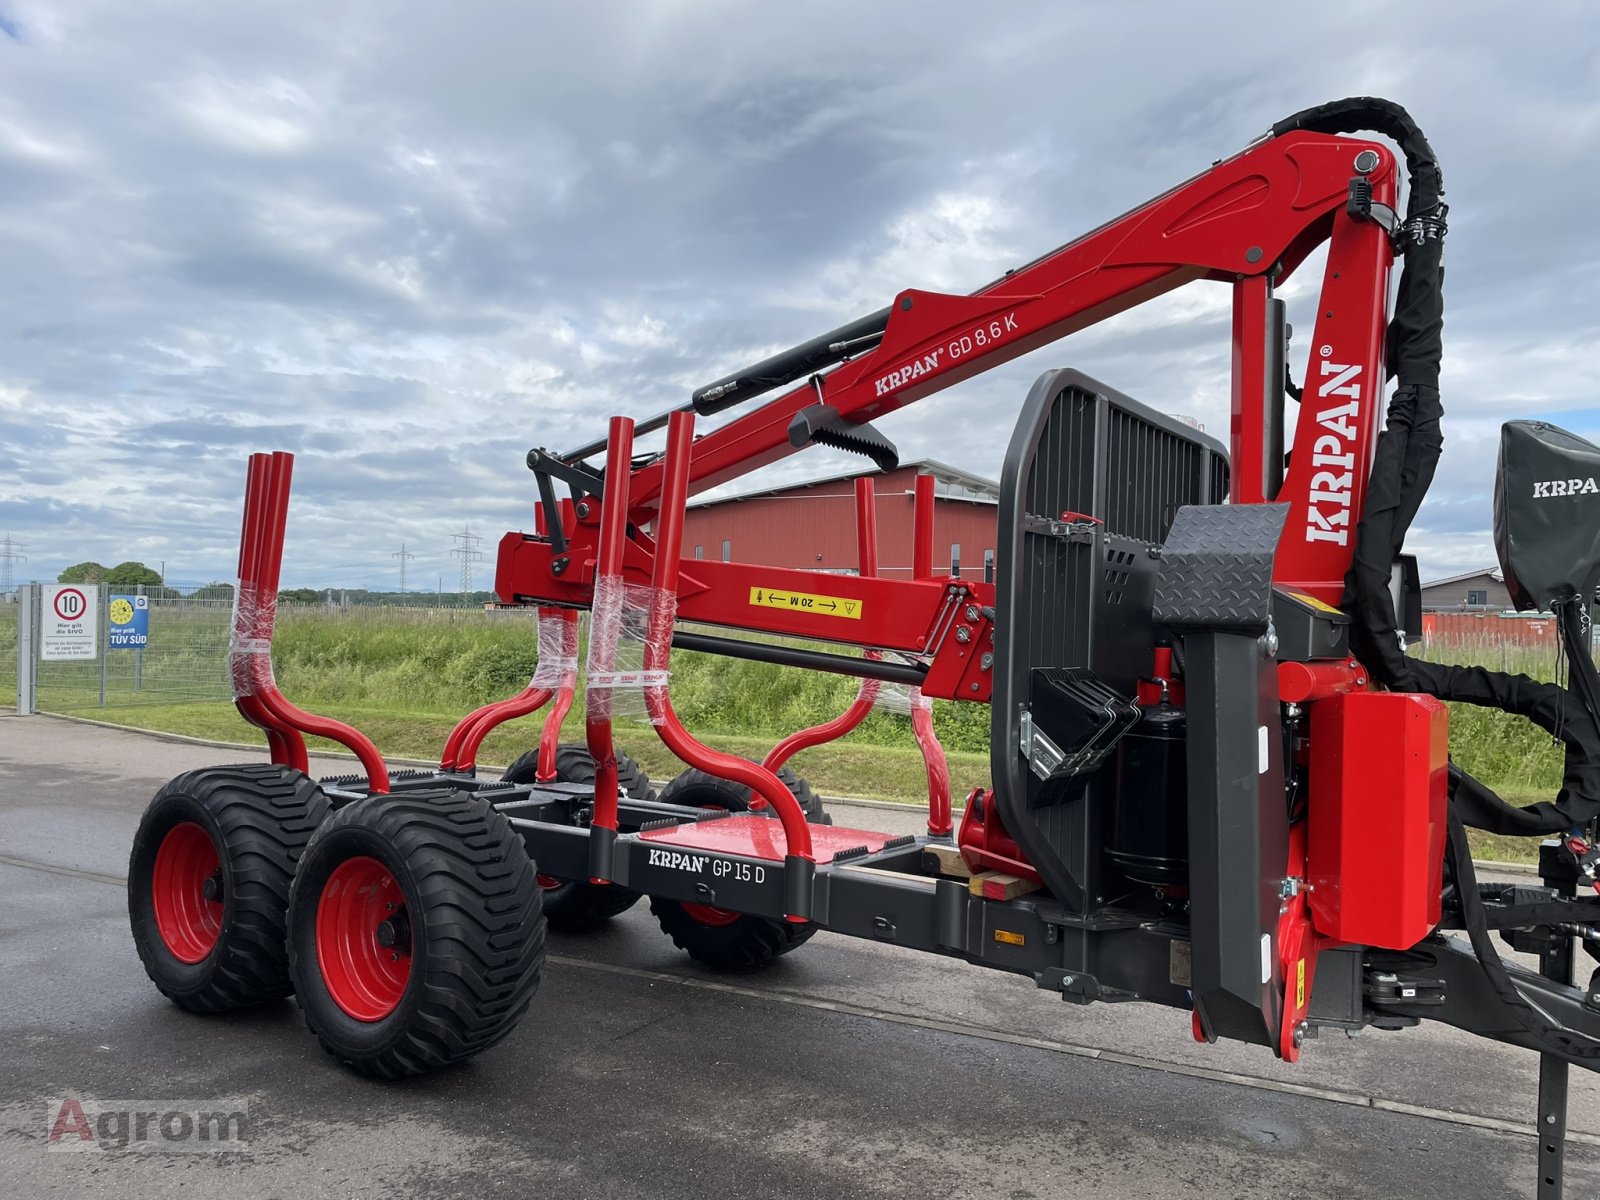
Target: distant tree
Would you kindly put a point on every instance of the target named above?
(132, 574)
(215, 590)
(84, 572)
(299, 596)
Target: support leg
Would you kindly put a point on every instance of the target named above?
(1555, 962)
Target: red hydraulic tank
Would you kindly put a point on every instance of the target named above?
(1376, 819)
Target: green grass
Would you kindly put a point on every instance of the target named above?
(840, 768)
(404, 677)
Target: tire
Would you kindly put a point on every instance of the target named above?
(454, 967)
(233, 832)
(571, 905)
(706, 790)
(727, 941)
(717, 937)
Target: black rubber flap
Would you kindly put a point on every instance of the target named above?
(1547, 514)
(1216, 567)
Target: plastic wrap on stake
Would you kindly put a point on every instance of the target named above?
(250, 643)
(660, 617)
(618, 626)
(558, 653)
(900, 698)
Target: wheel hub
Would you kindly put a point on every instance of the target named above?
(186, 892)
(364, 939)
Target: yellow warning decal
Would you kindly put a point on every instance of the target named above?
(1300, 985)
(827, 606)
(1009, 938)
(1313, 602)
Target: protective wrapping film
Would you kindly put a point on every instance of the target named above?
(624, 618)
(899, 698)
(250, 644)
(558, 652)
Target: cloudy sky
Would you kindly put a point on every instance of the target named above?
(409, 241)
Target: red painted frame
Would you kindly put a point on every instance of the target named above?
(256, 693)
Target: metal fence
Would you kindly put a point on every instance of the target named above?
(186, 660)
(8, 650)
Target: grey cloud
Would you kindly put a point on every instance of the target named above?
(407, 242)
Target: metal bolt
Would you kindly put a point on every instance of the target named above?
(1366, 161)
(963, 634)
(1299, 1035)
(1066, 980)
(986, 662)
(974, 687)
(558, 566)
(1292, 711)
(972, 612)
(583, 508)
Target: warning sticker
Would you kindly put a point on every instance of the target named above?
(1313, 602)
(828, 606)
(1300, 985)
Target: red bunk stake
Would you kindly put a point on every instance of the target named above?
(799, 862)
(933, 761)
(604, 628)
(461, 747)
(566, 687)
(866, 526)
(250, 656)
(286, 746)
(867, 693)
(922, 528)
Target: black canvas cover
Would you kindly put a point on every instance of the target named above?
(1547, 514)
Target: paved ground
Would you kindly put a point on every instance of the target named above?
(845, 1070)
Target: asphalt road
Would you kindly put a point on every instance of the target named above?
(846, 1069)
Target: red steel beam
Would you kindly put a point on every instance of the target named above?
(658, 649)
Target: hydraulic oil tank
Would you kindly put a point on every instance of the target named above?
(1150, 817)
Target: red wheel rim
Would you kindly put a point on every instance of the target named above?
(710, 914)
(187, 919)
(364, 939)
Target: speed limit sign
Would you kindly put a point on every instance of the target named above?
(68, 621)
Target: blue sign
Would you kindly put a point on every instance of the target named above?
(129, 625)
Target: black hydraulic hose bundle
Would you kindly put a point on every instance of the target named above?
(1403, 467)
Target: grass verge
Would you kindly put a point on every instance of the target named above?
(837, 769)
(846, 768)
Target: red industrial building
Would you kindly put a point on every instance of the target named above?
(812, 526)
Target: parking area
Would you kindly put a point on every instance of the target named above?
(846, 1069)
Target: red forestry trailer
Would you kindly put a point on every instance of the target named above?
(1219, 783)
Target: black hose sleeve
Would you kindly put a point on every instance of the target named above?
(1459, 855)
(1361, 114)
